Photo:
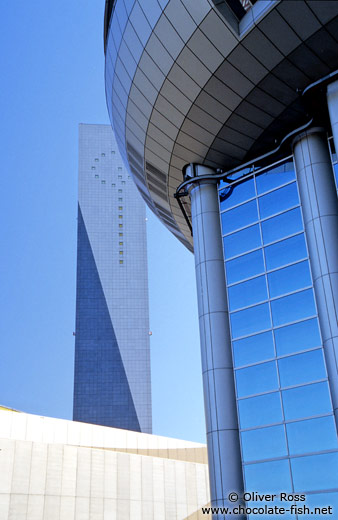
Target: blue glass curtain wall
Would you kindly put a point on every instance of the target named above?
(288, 434)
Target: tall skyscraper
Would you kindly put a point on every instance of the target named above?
(242, 97)
(112, 359)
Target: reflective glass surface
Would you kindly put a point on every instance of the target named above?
(253, 349)
(306, 401)
(312, 435)
(247, 293)
(242, 241)
(294, 307)
(245, 266)
(285, 252)
(260, 410)
(282, 225)
(257, 379)
(289, 279)
(239, 217)
(322, 500)
(264, 443)
(315, 472)
(275, 177)
(302, 368)
(301, 374)
(250, 320)
(278, 200)
(234, 195)
(268, 477)
(299, 336)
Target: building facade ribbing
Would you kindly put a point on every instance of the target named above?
(65, 470)
(217, 88)
(112, 359)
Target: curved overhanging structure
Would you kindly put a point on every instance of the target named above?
(216, 87)
(202, 82)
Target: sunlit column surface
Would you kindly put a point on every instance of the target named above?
(225, 466)
(320, 212)
(332, 103)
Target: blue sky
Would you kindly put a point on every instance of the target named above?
(52, 64)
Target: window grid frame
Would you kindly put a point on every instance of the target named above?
(270, 299)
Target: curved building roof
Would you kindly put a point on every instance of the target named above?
(199, 81)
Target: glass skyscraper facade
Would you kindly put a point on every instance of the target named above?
(112, 359)
(287, 427)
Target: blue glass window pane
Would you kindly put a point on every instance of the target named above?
(306, 401)
(245, 266)
(257, 411)
(289, 279)
(292, 308)
(302, 368)
(253, 349)
(315, 472)
(250, 320)
(281, 226)
(275, 177)
(239, 217)
(239, 174)
(296, 337)
(312, 435)
(285, 252)
(264, 443)
(236, 194)
(247, 293)
(257, 379)
(242, 241)
(321, 500)
(278, 200)
(268, 477)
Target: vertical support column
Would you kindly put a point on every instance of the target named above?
(332, 103)
(225, 465)
(320, 212)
